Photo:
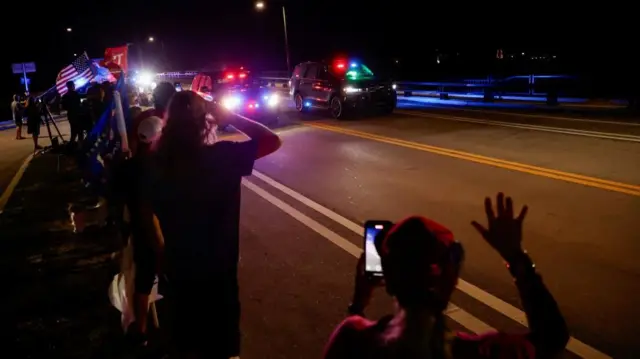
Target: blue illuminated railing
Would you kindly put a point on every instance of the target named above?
(487, 89)
(519, 87)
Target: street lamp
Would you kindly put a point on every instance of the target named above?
(151, 39)
(260, 5)
(69, 29)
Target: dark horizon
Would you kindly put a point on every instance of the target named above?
(194, 35)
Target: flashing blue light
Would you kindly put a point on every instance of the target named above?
(80, 82)
(257, 105)
(307, 104)
(353, 64)
(265, 97)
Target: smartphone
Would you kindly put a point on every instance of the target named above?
(372, 261)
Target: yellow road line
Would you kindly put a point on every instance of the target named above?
(630, 189)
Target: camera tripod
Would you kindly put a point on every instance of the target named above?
(48, 120)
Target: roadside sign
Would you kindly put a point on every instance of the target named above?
(23, 67)
(22, 81)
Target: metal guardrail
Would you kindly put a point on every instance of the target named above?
(464, 84)
(488, 87)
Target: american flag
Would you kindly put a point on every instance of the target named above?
(79, 71)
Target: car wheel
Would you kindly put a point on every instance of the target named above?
(337, 108)
(299, 101)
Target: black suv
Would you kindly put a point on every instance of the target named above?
(341, 87)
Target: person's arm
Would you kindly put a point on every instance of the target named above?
(148, 221)
(153, 233)
(266, 140)
(548, 332)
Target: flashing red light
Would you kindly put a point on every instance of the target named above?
(230, 76)
(340, 66)
(243, 75)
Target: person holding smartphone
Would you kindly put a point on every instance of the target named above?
(420, 262)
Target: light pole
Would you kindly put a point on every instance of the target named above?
(260, 5)
(163, 53)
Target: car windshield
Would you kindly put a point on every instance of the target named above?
(358, 71)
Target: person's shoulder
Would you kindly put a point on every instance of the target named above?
(233, 148)
(356, 323)
(146, 113)
(349, 337)
(492, 345)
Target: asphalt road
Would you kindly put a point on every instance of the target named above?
(582, 228)
(303, 207)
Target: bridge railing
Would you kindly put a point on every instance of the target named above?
(487, 88)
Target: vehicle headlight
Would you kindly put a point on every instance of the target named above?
(273, 100)
(350, 89)
(144, 79)
(231, 102)
(394, 86)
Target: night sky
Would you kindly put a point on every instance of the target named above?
(195, 34)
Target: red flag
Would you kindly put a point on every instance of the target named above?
(116, 56)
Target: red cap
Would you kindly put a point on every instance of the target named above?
(417, 237)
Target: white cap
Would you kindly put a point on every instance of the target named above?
(150, 129)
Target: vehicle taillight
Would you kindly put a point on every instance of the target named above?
(243, 75)
(230, 76)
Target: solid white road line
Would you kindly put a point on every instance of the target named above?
(566, 131)
(515, 114)
(354, 227)
(330, 235)
(14, 182)
(459, 315)
(575, 346)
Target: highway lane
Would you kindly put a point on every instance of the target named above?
(581, 236)
(613, 125)
(592, 114)
(586, 155)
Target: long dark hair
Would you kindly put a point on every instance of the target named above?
(179, 149)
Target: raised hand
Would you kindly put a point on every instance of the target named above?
(504, 232)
